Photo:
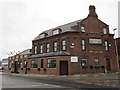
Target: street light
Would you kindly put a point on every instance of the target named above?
(116, 48)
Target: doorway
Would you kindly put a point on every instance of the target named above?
(63, 67)
(108, 65)
(16, 67)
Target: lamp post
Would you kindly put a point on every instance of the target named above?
(116, 48)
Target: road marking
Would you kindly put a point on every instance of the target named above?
(99, 84)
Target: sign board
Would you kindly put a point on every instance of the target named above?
(95, 41)
(16, 59)
(74, 59)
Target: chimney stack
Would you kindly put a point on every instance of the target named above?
(92, 12)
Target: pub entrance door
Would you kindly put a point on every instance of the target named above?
(108, 65)
(63, 67)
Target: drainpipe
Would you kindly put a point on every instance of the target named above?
(116, 48)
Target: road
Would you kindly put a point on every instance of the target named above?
(11, 81)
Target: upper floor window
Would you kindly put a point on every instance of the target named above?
(48, 47)
(82, 29)
(55, 46)
(34, 63)
(83, 44)
(63, 45)
(106, 46)
(35, 50)
(57, 31)
(84, 62)
(42, 36)
(41, 48)
(104, 30)
(51, 63)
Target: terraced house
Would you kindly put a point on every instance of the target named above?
(82, 46)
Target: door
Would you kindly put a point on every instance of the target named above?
(63, 67)
(16, 67)
(108, 66)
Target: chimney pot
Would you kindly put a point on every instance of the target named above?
(92, 12)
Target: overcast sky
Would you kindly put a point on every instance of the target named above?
(22, 20)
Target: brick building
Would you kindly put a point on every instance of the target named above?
(82, 46)
(118, 49)
(18, 62)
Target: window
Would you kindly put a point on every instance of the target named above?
(55, 46)
(34, 63)
(83, 44)
(48, 47)
(106, 46)
(51, 63)
(96, 62)
(20, 65)
(57, 31)
(41, 63)
(95, 41)
(63, 45)
(35, 49)
(24, 64)
(42, 36)
(104, 30)
(25, 56)
(84, 62)
(41, 48)
(82, 29)
(21, 56)
(12, 65)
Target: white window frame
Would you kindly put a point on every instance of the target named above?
(55, 46)
(48, 47)
(41, 48)
(104, 31)
(83, 44)
(82, 29)
(57, 31)
(64, 45)
(106, 46)
(42, 36)
(35, 50)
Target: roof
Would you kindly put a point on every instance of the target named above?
(27, 51)
(60, 53)
(64, 28)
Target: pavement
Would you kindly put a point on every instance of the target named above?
(101, 79)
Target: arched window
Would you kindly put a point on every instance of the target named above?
(104, 30)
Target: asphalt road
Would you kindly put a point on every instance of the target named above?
(18, 82)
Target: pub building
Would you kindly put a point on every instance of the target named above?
(18, 62)
(82, 46)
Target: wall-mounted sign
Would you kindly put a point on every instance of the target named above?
(95, 41)
(16, 59)
(74, 59)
